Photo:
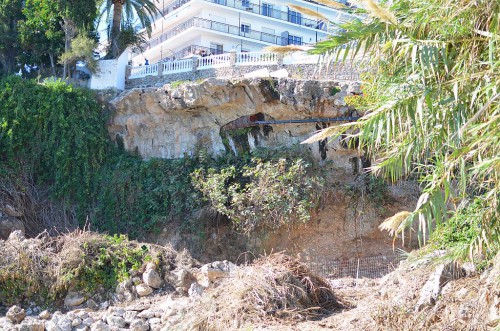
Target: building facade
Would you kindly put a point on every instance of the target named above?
(187, 28)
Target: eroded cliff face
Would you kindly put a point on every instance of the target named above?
(173, 121)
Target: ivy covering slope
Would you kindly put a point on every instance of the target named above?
(54, 136)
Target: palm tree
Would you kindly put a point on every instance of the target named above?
(124, 12)
(432, 110)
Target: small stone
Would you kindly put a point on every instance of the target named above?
(104, 305)
(129, 316)
(91, 304)
(76, 321)
(143, 290)
(154, 321)
(81, 328)
(88, 321)
(117, 311)
(128, 296)
(64, 323)
(150, 266)
(16, 314)
(32, 325)
(82, 314)
(151, 278)
(73, 299)
(100, 326)
(146, 314)
(115, 321)
(139, 325)
(44, 315)
(196, 290)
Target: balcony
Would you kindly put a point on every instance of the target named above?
(247, 6)
(219, 27)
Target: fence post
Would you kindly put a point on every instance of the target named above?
(232, 57)
(160, 68)
(195, 63)
(279, 59)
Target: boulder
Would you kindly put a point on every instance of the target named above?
(16, 314)
(143, 290)
(196, 290)
(73, 299)
(100, 326)
(152, 278)
(44, 315)
(115, 321)
(139, 325)
(429, 293)
(32, 325)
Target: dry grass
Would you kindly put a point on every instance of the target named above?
(275, 288)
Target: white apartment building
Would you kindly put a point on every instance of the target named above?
(209, 27)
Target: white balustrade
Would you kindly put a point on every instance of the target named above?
(256, 58)
(224, 60)
(143, 71)
(177, 66)
(214, 61)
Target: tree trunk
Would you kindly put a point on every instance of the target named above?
(52, 64)
(115, 28)
(69, 33)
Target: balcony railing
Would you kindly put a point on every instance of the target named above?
(251, 7)
(217, 26)
(221, 61)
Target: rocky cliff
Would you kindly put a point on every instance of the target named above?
(177, 119)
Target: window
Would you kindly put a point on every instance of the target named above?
(294, 40)
(245, 3)
(267, 9)
(216, 48)
(245, 28)
(294, 17)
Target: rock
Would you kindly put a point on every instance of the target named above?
(152, 279)
(143, 290)
(196, 290)
(104, 305)
(44, 315)
(115, 321)
(9, 225)
(149, 313)
(88, 321)
(73, 299)
(154, 322)
(100, 326)
(16, 235)
(16, 314)
(81, 328)
(32, 325)
(139, 325)
(91, 304)
(129, 316)
(76, 321)
(150, 266)
(64, 323)
(430, 291)
(218, 269)
(183, 279)
(117, 311)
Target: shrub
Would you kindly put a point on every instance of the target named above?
(263, 195)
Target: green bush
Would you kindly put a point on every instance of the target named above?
(263, 195)
(55, 130)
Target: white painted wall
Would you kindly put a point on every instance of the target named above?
(111, 73)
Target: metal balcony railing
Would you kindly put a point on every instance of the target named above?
(220, 27)
(264, 10)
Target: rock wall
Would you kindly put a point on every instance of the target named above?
(173, 121)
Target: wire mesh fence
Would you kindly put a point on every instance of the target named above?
(365, 267)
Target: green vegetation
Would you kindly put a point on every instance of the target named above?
(46, 269)
(56, 135)
(262, 195)
(433, 112)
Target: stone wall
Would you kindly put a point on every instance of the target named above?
(335, 71)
